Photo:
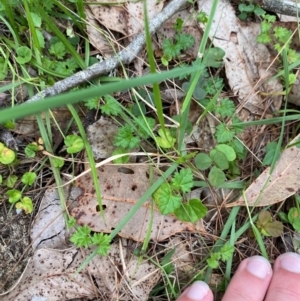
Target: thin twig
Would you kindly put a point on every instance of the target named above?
(125, 56)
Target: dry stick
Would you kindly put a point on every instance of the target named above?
(125, 56)
(285, 7)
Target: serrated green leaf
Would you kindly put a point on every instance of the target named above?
(126, 138)
(81, 238)
(223, 134)
(111, 106)
(225, 108)
(192, 211)
(183, 181)
(226, 252)
(203, 161)
(216, 176)
(166, 201)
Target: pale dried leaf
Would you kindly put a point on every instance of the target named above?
(246, 61)
(96, 36)
(111, 16)
(273, 188)
(48, 228)
(51, 276)
(135, 15)
(101, 137)
(121, 189)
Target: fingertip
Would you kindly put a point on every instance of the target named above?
(198, 291)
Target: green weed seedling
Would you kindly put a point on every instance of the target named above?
(225, 155)
(169, 197)
(7, 156)
(248, 9)
(267, 226)
(15, 196)
(224, 254)
(84, 238)
(293, 216)
(172, 48)
(279, 36)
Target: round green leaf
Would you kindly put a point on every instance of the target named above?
(74, 144)
(199, 93)
(227, 150)
(13, 195)
(7, 155)
(203, 161)
(25, 204)
(24, 55)
(219, 159)
(216, 176)
(191, 211)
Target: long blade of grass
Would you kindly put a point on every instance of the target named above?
(78, 95)
(89, 153)
(156, 89)
(195, 78)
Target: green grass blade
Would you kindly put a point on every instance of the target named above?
(78, 95)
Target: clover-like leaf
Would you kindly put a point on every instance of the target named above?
(216, 176)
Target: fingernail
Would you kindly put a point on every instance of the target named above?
(290, 262)
(259, 267)
(197, 291)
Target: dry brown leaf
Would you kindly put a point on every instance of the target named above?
(51, 276)
(110, 16)
(135, 15)
(96, 36)
(121, 188)
(246, 61)
(273, 188)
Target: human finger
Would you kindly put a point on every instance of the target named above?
(198, 291)
(285, 284)
(251, 280)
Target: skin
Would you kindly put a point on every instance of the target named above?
(255, 280)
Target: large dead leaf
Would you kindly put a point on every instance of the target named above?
(283, 182)
(51, 276)
(246, 61)
(121, 188)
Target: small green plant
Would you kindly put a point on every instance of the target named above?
(267, 226)
(7, 156)
(279, 35)
(84, 238)
(223, 255)
(248, 9)
(170, 195)
(16, 197)
(293, 217)
(74, 144)
(228, 150)
(172, 48)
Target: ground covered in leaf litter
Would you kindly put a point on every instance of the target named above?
(242, 77)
